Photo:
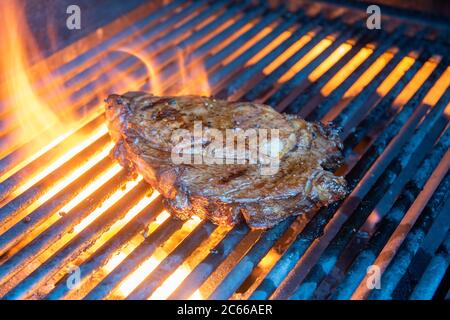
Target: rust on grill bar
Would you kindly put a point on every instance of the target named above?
(75, 225)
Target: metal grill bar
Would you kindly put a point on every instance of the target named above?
(169, 265)
(104, 254)
(395, 134)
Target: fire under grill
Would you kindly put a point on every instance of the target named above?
(74, 224)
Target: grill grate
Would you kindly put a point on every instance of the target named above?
(69, 211)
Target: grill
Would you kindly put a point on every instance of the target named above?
(75, 225)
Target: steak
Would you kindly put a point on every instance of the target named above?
(231, 186)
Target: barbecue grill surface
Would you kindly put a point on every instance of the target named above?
(387, 88)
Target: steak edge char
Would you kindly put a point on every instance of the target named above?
(141, 125)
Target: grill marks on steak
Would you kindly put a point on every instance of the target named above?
(142, 125)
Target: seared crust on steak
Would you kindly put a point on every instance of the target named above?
(142, 126)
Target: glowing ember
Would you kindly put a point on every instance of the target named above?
(369, 74)
(63, 159)
(395, 75)
(171, 283)
(346, 70)
(271, 46)
(134, 279)
(260, 35)
(330, 61)
(415, 83)
(303, 62)
(438, 89)
(289, 52)
(116, 196)
(180, 274)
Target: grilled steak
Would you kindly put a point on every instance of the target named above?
(143, 126)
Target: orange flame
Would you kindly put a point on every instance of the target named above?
(152, 73)
(34, 110)
(194, 79)
(190, 79)
(27, 109)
